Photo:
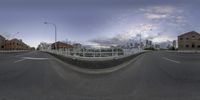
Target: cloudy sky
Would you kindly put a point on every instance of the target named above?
(98, 21)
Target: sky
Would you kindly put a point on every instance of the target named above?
(99, 22)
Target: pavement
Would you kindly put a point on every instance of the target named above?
(155, 75)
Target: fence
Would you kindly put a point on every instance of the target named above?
(96, 53)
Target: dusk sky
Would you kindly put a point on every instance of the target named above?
(98, 21)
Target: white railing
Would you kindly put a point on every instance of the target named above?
(95, 54)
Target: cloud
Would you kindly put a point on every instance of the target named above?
(5, 34)
(166, 14)
(162, 38)
(146, 30)
(158, 9)
(155, 16)
(132, 34)
(162, 21)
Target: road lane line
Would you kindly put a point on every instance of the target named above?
(178, 62)
(19, 60)
(30, 58)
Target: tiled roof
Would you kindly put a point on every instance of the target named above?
(190, 33)
(2, 37)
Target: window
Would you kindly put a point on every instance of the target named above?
(193, 45)
(193, 36)
(187, 46)
(198, 46)
(181, 38)
(187, 38)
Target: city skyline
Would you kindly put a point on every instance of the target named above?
(98, 22)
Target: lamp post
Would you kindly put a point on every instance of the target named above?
(54, 31)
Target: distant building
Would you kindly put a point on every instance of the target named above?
(148, 44)
(44, 46)
(189, 41)
(174, 43)
(142, 45)
(32, 48)
(77, 46)
(16, 44)
(136, 45)
(157, 46)
(2, 42)
(61, 45)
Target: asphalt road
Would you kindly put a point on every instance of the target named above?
(152, 76)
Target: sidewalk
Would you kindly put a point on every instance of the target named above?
(183, 51)
(12, 52)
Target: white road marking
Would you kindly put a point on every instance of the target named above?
(178, 62)
(29, 58)
(19, 60)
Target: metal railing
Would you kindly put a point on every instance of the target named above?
(95, 54)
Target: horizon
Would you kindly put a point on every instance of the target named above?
(98, 22)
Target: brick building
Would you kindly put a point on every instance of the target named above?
(16, 44)
(2, 42)
(61, 45)
(189, 41)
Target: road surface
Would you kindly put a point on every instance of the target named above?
(153, 76)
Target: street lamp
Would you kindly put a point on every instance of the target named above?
(55, 32)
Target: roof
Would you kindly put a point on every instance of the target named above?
(63, 44)
(19, 40)
(191, 32)
(2, 37)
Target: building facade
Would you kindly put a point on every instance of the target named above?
(61, 45)
(174, 43)
(16, 44)
(44, 46)
(148, 44)
(189, 41)
(2, 42)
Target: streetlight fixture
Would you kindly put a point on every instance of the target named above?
(54, 31)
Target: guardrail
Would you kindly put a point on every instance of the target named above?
(95, 55)
(94, 62)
